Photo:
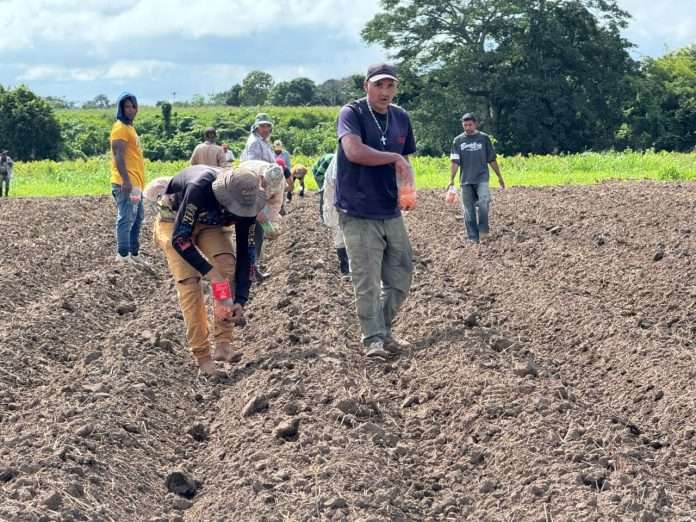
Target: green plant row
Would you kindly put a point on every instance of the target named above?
(91, 176)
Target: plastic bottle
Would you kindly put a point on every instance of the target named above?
(406, 183)
(451, 196)
(136, 195)
(223, 300)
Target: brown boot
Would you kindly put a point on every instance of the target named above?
(224, 352)
(206, 365)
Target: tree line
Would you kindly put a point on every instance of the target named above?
(543, 76)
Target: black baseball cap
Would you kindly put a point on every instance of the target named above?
(381, 71)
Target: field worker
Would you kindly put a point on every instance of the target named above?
(229, 155)
(273, 181)
(472, 152)
(127, 180)
(257, 145)
(202, 201)
(6, 165)
(288, 176)
(280, 152)
(318, 172)
(375, 138)
(208, 152)
(298, 173)
(330, 217)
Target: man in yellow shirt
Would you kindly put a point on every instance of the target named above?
(127, 180)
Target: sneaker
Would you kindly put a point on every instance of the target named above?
(483, 237)
(124, 259)
(259, 275)
(138, 260)
(347, 277)
(376, 349)
(395, 345)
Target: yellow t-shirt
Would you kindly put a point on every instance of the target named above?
(133, 156)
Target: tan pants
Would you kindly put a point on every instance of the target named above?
(211, 241)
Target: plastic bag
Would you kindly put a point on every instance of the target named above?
(330, 214)
(406, 183)
(451, 196)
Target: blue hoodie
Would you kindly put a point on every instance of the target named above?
(120, 116)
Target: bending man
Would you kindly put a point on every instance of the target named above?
(196, 246)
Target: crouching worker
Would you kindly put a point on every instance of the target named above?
(298, 174)
(195, 206)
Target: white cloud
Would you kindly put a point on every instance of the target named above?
(659, 26)
(103, 22)
(121, 70)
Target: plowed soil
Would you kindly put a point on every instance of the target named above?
(551, 374)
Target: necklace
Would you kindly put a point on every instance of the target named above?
(383, 139)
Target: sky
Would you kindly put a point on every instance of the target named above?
(175, 49)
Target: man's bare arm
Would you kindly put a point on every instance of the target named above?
(118, 149)
(357, 152)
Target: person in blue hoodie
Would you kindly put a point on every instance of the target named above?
(127, 180)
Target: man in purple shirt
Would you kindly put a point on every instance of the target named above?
(374, 140)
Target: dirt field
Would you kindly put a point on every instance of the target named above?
(551, 376)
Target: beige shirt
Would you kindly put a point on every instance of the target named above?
(209, 154)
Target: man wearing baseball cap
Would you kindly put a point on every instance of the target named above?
(375, 138)
(203, 200)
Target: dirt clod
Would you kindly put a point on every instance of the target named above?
(52, 500)
(181, 483)
(199, 431)
(610, 331)
(287, 430)
(256, 404)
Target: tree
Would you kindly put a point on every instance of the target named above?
(256, 86)
(28, 126)
(662, 114)
(166, 109)
(543, 75)
(100, 101)
(340, 92)
(300, 91)
(232, 96)
(59, 102)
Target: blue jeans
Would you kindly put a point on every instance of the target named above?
(129, 219)
(473, 196)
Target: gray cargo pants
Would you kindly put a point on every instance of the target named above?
(382, 265)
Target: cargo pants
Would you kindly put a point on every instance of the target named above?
(211, 241)
(381, 262)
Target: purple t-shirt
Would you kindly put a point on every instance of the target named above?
(371, 192)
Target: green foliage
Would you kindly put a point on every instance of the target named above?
(91, 176)
(543, 76)
(662, 114)
(256, 87)
(28, 126)
(297, 92)
(304, 130)
(233, 96)
(100, 101)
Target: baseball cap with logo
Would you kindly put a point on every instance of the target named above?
(239, 193)
(381, 71)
